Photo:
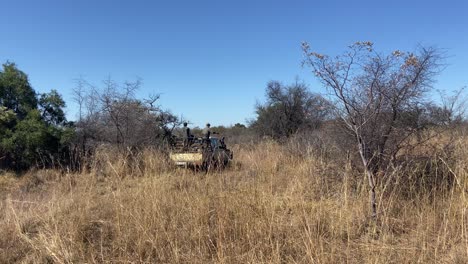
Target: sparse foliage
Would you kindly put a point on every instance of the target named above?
(379, 97)
(114, 115)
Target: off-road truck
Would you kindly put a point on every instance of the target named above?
(200, 153)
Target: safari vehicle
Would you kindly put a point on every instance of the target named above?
(200, 154)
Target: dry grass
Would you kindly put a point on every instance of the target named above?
(269, 207)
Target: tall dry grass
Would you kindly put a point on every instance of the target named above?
(269, 207)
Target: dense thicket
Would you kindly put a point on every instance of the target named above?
(33, 127)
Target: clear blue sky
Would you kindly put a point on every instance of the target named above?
(211, 60)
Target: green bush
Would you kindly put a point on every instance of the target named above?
(33, 128)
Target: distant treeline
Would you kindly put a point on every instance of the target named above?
(375, 104)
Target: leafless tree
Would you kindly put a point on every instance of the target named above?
(453, 109)
(378, 97)
(79, 96)
(112, 114)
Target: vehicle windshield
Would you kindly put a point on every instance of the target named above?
(214, 142)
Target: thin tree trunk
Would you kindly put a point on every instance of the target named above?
(370, 177)
(373, 204)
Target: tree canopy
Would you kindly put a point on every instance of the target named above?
(288, 109)
(15, 91)
(33, 129)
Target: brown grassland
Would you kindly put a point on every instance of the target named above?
(271, 206)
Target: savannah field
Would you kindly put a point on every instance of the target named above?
(347, 121)
(274, 204)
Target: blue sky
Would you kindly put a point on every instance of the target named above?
(211, 60)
